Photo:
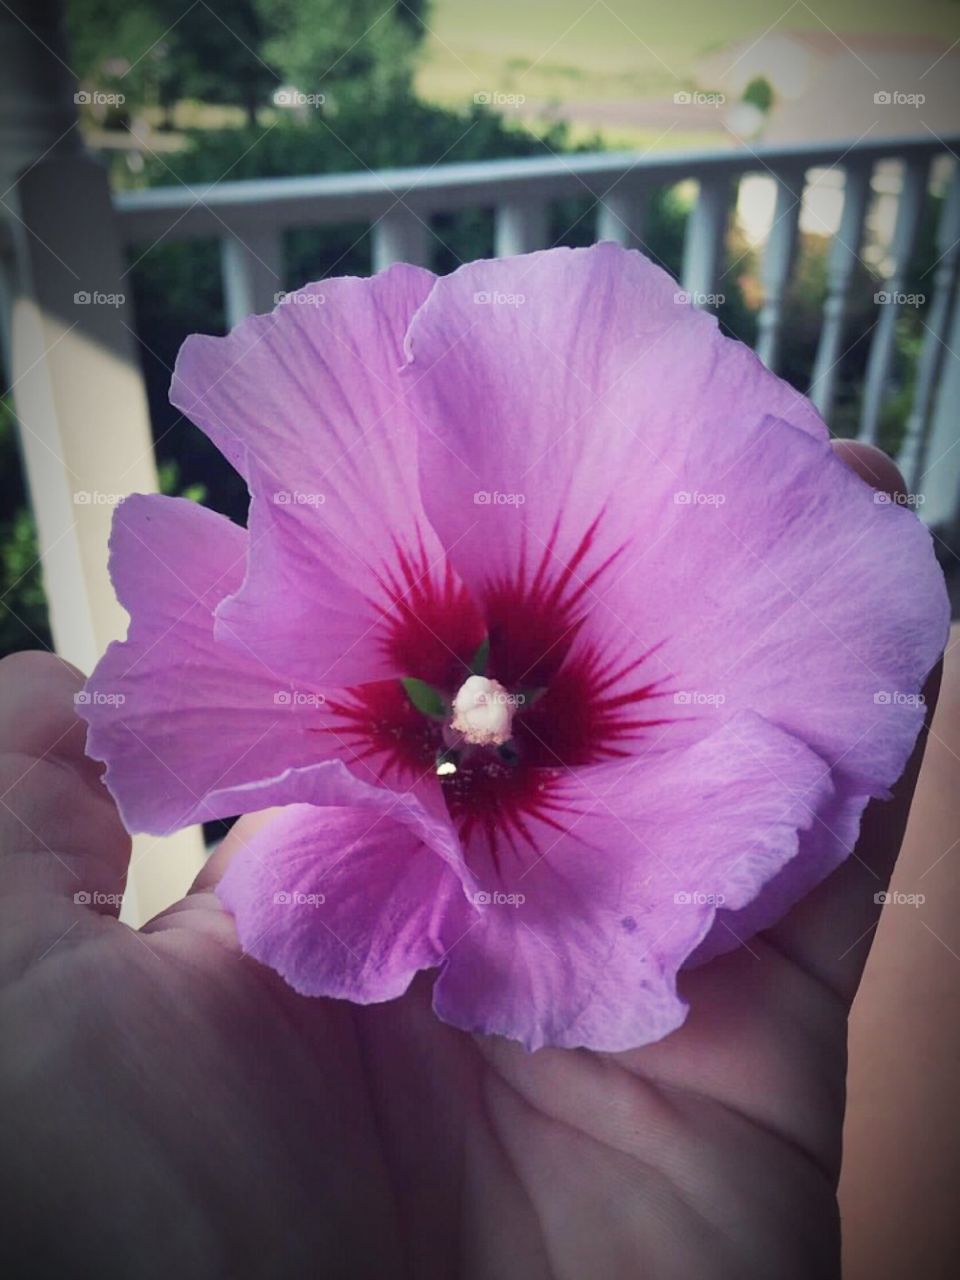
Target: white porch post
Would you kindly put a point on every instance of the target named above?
(520, 226)
(778, 265)
(841, 263)
(936, 350)
(939, 480)
(252, 270)
(883, 345)
(75, 377)
(705, 239)
(620, 215)
(400, 236)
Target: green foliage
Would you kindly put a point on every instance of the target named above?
(168, 482)
(157, 52)
(362, 51)
(23, 609)
(216, 52)
(118, 48)
(759, 93)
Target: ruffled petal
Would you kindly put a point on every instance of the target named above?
(568, 395)
(191, 730)
(349, 582)
(823, 846)
(661, 519)
(346, 902)
(297, 387)
(624, 873)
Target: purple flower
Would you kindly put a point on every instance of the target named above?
(570, 646)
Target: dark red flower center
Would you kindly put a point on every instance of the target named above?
(587, 704)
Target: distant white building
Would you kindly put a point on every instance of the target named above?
(831, 86)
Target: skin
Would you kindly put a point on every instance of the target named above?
(171, 1108)
(901, 1159)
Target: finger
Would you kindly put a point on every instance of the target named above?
(831, 930)
(905, 1014)
(885, 821)
(59, 828)
(871, 464)
(236, 839)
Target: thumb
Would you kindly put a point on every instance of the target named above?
(60, 833)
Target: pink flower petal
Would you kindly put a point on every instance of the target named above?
(344, 902)
(617, 899)
(711, 634)
(682, 516)
(823, 846)
(192, 730)
(307, 402)
(564, 392)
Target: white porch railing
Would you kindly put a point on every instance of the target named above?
(249, 219)
(74, 368)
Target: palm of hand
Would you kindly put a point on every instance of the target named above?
(176, 1108)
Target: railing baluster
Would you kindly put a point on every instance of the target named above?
(400, 236)
(252, 273)
(705, 238)
(844, 255)
(778, 263)
(935, 348)
(520, 226)
(882, 348)
(620, 216)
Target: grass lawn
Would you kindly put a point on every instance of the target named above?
(578, 52)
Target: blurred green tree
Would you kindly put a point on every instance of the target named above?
(362, 51)
(158, 52)
(216, 52)
(23, 609)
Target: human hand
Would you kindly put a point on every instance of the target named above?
(174, 1108)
